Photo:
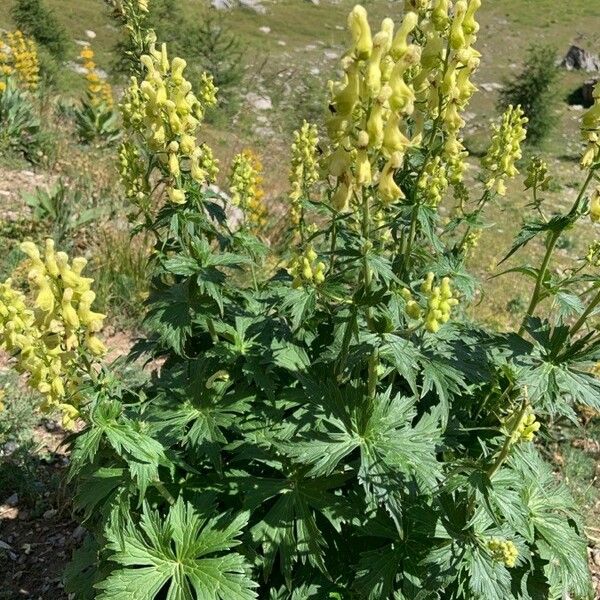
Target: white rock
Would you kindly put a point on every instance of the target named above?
(281, 43)
(315, 71)
(254, 5)
(91, 34)
(490, 87)
(264, 29)
(331, 54)
(259, 102)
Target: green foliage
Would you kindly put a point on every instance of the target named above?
(63, 209)
(34, 18)
(120, 268)
(348, 435)
(96, 123)
(20, 127)
(533, 89)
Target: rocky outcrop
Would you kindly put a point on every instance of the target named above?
(578, 59)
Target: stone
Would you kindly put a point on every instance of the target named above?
(258, 101)
(50, 514)
(12, 500)
(490, 87)
(331, 54)
(254, 5)
(264, 29)
(90, 34)
(578, 59)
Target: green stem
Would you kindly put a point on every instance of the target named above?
(508, 443)
(164, 492)
(593, 304)
(535, 298)
(341, 364)
(212, 330)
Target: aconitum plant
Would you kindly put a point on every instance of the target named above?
(333, 426)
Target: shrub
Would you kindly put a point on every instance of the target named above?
(36, 20)
(334, 428)
(533, 89)
(95, 117)
(20, 128)
(63, 210)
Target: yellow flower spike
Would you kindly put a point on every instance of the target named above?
(50, 259)
(95, 345)
(188, 144)
(595, 206)
(69, 314)
(177, 67)
(503, 551)
(363, 175)
(174, 168)
(345, 100)
(470, 25)
(393, 139)
(400, 41)
(413, 310)
(439, 14)
(373, 76)
(590, 131)
(457, 34)
(376, 122)
(358, 24)
(176, 195)
(427, 285)
(403, 96)
(343, 194)
(387, 26)
(389, 191)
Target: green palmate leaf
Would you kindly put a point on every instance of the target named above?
(170, 316)
(558, 538)
(488, 579)
(289, 527)
(184, 555)
(377, 572)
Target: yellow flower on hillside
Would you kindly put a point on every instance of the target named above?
(247, 190)
(19, 57)
(52, 333)
(99, 91)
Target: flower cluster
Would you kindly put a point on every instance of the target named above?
(99, 91)
(304, 171)
(132, 170)
(505, 149)
(503, 551)
(305, 268)
(439, 302)
(528, 427)
(394, 83)
(167, 113)
(18, 56)
(537, 175)
(471, 240)
(246, 188)
(54, 337)
(434, 182)
(590, 130)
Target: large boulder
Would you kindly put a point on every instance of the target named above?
(578, 59)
